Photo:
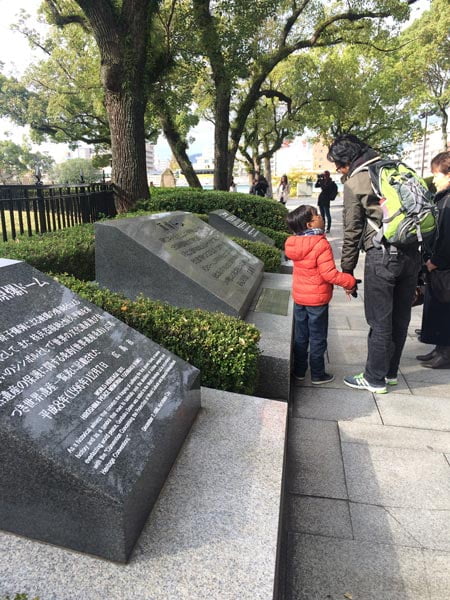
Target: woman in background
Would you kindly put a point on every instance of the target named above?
(283, 190)
(436, 315)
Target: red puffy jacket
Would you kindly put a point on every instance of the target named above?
(314, 270)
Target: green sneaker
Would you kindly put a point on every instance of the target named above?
(391, 380)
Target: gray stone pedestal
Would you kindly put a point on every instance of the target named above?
(274, 297)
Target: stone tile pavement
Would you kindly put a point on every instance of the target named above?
(367, 501)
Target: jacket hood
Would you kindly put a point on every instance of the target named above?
(362, 160)
(299, 246)
(440, 195)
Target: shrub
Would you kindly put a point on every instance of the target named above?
(279, 237)
(68, 250)
(224, 348)
(18, 597)
(269, 255)
(255, 210)
(72, 251)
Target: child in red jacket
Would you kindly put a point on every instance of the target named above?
(312, 288)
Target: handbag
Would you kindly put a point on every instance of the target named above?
(419, 295)
(440, 284)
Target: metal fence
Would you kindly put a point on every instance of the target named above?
(30, 209)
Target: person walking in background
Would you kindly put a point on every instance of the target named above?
(436, 315)
(283, 190)
(390, 274)
(232, 185)
(261, 186)
(327, 195)
(312, 288)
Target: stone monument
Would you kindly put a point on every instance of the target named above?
(168, 179)
(92, 416)
(178, 258)
(229, 224)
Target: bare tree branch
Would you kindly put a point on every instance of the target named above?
(277, 94)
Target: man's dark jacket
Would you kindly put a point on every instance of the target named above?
(328, 193)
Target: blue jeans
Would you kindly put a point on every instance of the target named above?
(310, 329)
(389, 284)
(325, 214)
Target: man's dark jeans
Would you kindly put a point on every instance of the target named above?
(325, 214)
(310, 328)
(389, 284)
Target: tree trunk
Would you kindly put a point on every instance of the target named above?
(240, 119)
(122, 39)
(129, 171)
(179, 149)
(268, 175)
(212, 47)
(222, 174)
(444, 129)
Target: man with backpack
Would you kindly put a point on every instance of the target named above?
(327, 195)
(390, 272)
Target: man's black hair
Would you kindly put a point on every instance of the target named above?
(298, 219)
(345, 149)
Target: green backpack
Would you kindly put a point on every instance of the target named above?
(409, 214)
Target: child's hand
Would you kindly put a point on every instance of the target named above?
(354, 290)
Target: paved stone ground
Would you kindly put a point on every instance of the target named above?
(368, 477)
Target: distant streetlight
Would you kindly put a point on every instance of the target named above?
(38, 174)
(425, 116)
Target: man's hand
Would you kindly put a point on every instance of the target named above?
(354, 290)
(430, 266)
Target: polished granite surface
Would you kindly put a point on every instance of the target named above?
(92, 415)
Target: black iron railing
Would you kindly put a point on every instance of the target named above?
(30, 209)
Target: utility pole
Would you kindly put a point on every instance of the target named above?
(424, 115)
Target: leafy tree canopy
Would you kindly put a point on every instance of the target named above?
(75, 170)
(423, 66)
(18, 160)
(350, 90)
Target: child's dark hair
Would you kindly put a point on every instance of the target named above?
(298, 219)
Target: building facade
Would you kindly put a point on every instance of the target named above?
(419, 154)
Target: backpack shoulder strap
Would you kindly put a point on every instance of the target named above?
(365, 166)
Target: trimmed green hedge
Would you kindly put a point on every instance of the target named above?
(68, 250)
(269, 255)
(18, 597)
(279, 237)
(224, 348)
(255, 210)
(72, 251)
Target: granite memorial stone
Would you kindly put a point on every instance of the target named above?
(178, 258)
(92, 416)
(229, 224)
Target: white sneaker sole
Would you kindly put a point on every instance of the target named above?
(322, 382)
